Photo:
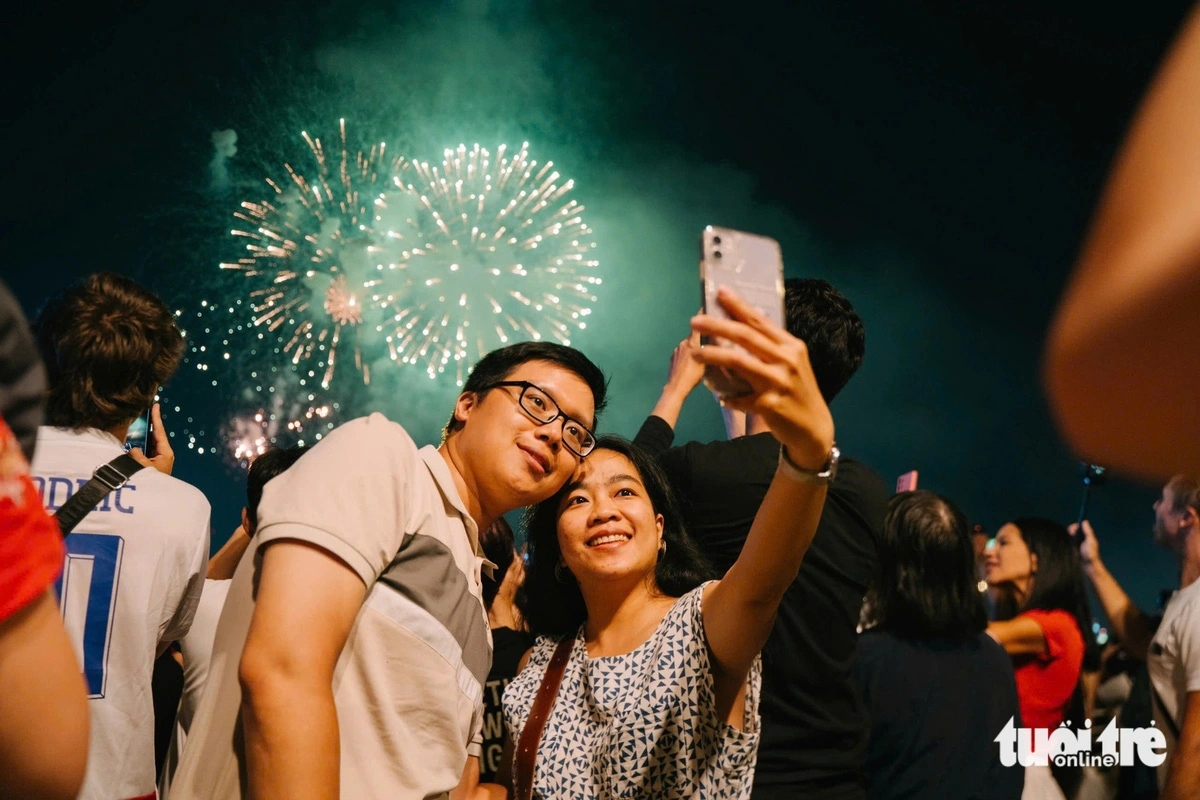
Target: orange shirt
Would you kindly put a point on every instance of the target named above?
(1046, 683)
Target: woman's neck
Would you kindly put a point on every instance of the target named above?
(621, 620)
(1021, 590)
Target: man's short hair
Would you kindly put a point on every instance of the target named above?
(499, 364)
(823, 317)
(262, 469)
(108, 344)
(1185, 489)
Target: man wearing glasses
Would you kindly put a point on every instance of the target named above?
(352, 653)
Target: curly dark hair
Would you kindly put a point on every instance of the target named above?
(556, 608)
(822, 316)
(108, 344)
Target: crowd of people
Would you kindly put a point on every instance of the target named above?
(748, 617)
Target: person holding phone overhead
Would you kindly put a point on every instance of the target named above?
(814, 725)
(656, 671)
(108, 344)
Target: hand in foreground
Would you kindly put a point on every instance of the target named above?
(1089, 548)
(164, 456)
(783, 388)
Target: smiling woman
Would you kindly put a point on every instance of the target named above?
(659, 670)
(556, 602)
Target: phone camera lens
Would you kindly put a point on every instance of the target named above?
(716, 254)
(716, 240)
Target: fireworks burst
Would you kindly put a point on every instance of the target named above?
(246, 370)
(247, 436)
(494, 251)
(426, 264)
(310, 249)
(341, 304)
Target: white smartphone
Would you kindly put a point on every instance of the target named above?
(750, 265)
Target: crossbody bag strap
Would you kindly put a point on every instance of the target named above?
(531, 734)
(1167, 718)
(106, 479)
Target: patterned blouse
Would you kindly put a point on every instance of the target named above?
(643, 724)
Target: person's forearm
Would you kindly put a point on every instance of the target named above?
(1129, 307)
(293, 750)
(222, 566)
(43, 706)
(781, 533)
(1129, 622)
(1183, 775)
(670, 404)
(735, 422)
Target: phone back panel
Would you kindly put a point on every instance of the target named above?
(749, 264)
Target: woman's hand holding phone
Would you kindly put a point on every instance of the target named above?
(783, 389)
(163, 459)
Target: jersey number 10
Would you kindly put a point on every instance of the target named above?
(87, 592)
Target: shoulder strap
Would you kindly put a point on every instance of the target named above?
(531, 734)
(1167, 718)
(106, 479)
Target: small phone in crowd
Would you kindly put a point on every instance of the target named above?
(750, 265)
(139, 434)
(907, 482)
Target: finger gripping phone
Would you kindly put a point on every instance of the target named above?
(750, 265)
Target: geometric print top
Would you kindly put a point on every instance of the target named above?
(643, 724)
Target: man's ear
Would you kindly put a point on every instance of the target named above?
(464, 406)
(1189, 519)
(1033, 562)
(246, 521)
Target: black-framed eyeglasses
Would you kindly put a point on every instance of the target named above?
(542, 408)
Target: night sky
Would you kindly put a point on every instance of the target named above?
(936, 161)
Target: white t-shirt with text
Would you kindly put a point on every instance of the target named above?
(130, 584)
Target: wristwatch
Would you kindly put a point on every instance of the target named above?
(822, 477)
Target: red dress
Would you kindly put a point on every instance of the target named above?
(31, 549)
(1045, 683)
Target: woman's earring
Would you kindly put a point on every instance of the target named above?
(561, 575)
(662, 548)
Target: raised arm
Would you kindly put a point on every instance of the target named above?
(307, 603)
(1128, 316)
(222, 565)
(1132, 626)
(739, 610)
(685, 374)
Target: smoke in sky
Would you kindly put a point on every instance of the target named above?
(945, 388)
(224, 148)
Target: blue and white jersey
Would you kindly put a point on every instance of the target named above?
(133, 573)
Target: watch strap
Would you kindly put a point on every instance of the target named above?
(821, 477)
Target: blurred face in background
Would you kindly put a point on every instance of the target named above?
(1009, 563)
(1167, 521)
